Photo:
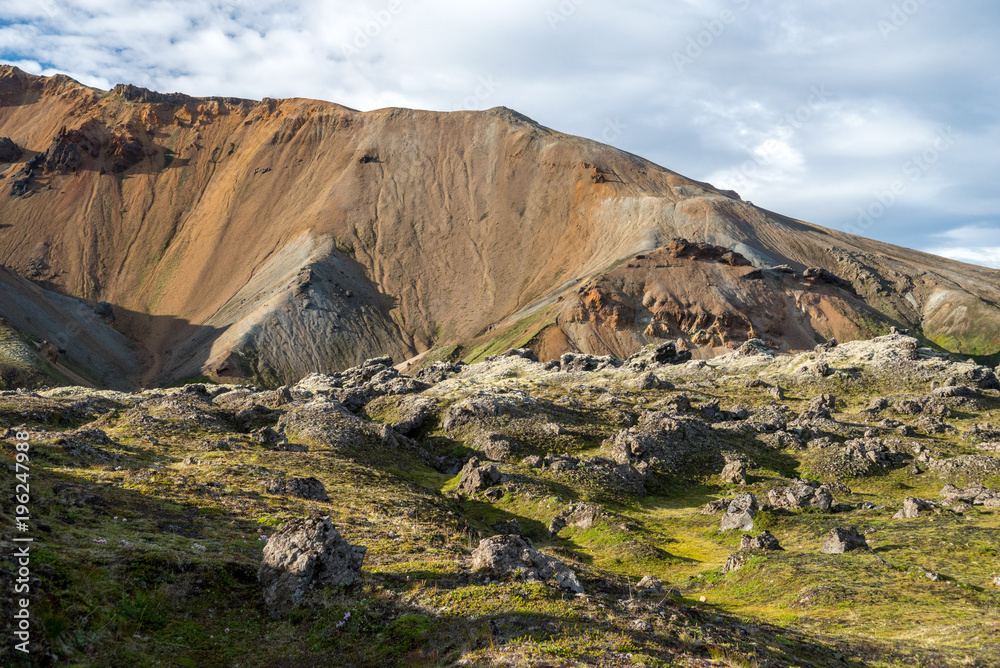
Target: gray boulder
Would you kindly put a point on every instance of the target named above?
(912, 507)
(800, 494)
(303, 555)
(841, 540)
(740, 513)
(495, 447)
(735, 473)
(578, 515)
(765, 541)
(304, 488)
(508, 556)
(476, 478)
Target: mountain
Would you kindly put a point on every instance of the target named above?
(269, 239)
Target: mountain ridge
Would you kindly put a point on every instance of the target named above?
(269, 239)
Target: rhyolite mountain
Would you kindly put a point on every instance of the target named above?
(269, 239)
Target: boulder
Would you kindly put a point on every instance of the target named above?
(484, 405)
(508, 527)
(974, 494)
(912, 507)
(577, 362)
(495, 447)
(650, 381)
(841, 540)
(649, 586)
(800, 494)
(9, 151)
(754, 348)
(715, 506)
(578, 515)
(661, 355)
(735, 473)
(765, 541)
(303, 555)
(508, 556)
(980, 466)
(740, 513)
(303, 488)
(476, 478)
(440, 371)
(735, 562)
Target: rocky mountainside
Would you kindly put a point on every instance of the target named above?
(269, 239)
(833, 508)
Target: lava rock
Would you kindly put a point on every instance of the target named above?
(303, 555)
(476, 478)
(841, 540)
(503, 557)
(740, 513)
(800, 494)
(765, 541)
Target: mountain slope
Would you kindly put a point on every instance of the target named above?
(273, 238)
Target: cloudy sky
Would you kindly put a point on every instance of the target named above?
(880, 117)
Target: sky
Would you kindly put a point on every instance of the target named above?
(878, 117)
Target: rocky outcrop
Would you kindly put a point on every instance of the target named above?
(304, 555)
(357, 386)
(475, 411)
(9, 151)
(508, 556)
(974, 494)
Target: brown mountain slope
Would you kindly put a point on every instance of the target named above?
(279, 237)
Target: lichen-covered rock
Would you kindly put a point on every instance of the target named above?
(975, 466)
(577, 362)
(668, 444)
(474, 410)
(357, 386)
(303, 555)
(508, 556)
(495, 447)
(841, 540)
(657, 356)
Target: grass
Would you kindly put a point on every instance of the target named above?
(126, 581)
